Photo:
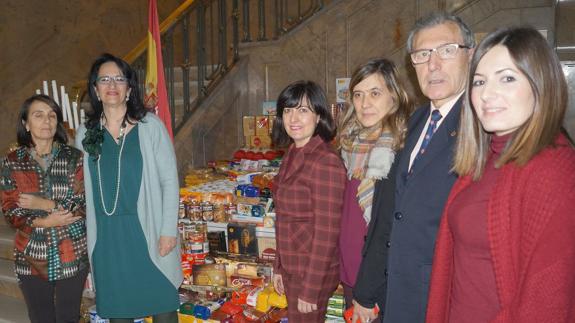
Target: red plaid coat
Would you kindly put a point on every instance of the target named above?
(308, 196)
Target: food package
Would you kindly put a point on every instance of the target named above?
(252, 298)
(263, 304)
(239, 281)
(217, 241)
(266, 243)
(240, 296)
(230, 308)
(277, 300)
(242, 239)
(247, 270)
(210, 274)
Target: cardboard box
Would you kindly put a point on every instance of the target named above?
(247, 141)
(209, 274)
(249, 125)
(272, 120)
(261, 141)
(262, 125)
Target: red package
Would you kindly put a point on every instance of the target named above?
(240, 296)
(240, 281)
(230, 308)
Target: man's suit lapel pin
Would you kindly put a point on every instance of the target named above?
(453, 133)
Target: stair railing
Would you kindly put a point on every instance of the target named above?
(200, 44)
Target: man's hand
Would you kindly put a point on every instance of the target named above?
(364, 314)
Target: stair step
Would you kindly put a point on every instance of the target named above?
(8, 280)
(13, 310)
(6, 243)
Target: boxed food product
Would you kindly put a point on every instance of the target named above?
(242, 239)
(217, 241)
(247, 270)
(239, 281)
(266, 243)
(209, 274)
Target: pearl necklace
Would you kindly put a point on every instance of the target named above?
(121, 137)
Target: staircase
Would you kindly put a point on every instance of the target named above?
(12, 306)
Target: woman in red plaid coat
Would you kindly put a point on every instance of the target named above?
(308, 193)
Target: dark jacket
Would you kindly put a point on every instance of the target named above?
(399, 248)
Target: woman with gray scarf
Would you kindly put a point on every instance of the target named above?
(370, 133)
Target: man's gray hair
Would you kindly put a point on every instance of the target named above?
(438, 18)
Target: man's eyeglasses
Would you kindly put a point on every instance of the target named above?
(106, 80)
(447, 51)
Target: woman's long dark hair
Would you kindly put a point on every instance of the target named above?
(136, 110)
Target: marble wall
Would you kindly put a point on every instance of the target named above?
(58, 39)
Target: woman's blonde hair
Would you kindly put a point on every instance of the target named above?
(396, 120)
(534, 58)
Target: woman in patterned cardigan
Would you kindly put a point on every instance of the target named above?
(42, 191)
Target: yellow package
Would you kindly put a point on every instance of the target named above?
(277, 300)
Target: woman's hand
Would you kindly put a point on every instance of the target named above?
(31, 201)
(364, 314)
(56, 218)
(166, 245)
(278, 284)
(305, 307)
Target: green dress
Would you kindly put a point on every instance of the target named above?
(128, 284)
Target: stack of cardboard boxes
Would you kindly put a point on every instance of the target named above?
(257, 131)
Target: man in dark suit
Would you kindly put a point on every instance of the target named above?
(398, 251)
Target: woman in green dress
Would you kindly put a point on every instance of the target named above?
(131, 199)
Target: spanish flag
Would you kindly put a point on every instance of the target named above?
(156, 96)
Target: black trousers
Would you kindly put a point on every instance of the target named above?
(53, 302)
(169, 317)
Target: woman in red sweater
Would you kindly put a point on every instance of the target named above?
(505, 249)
